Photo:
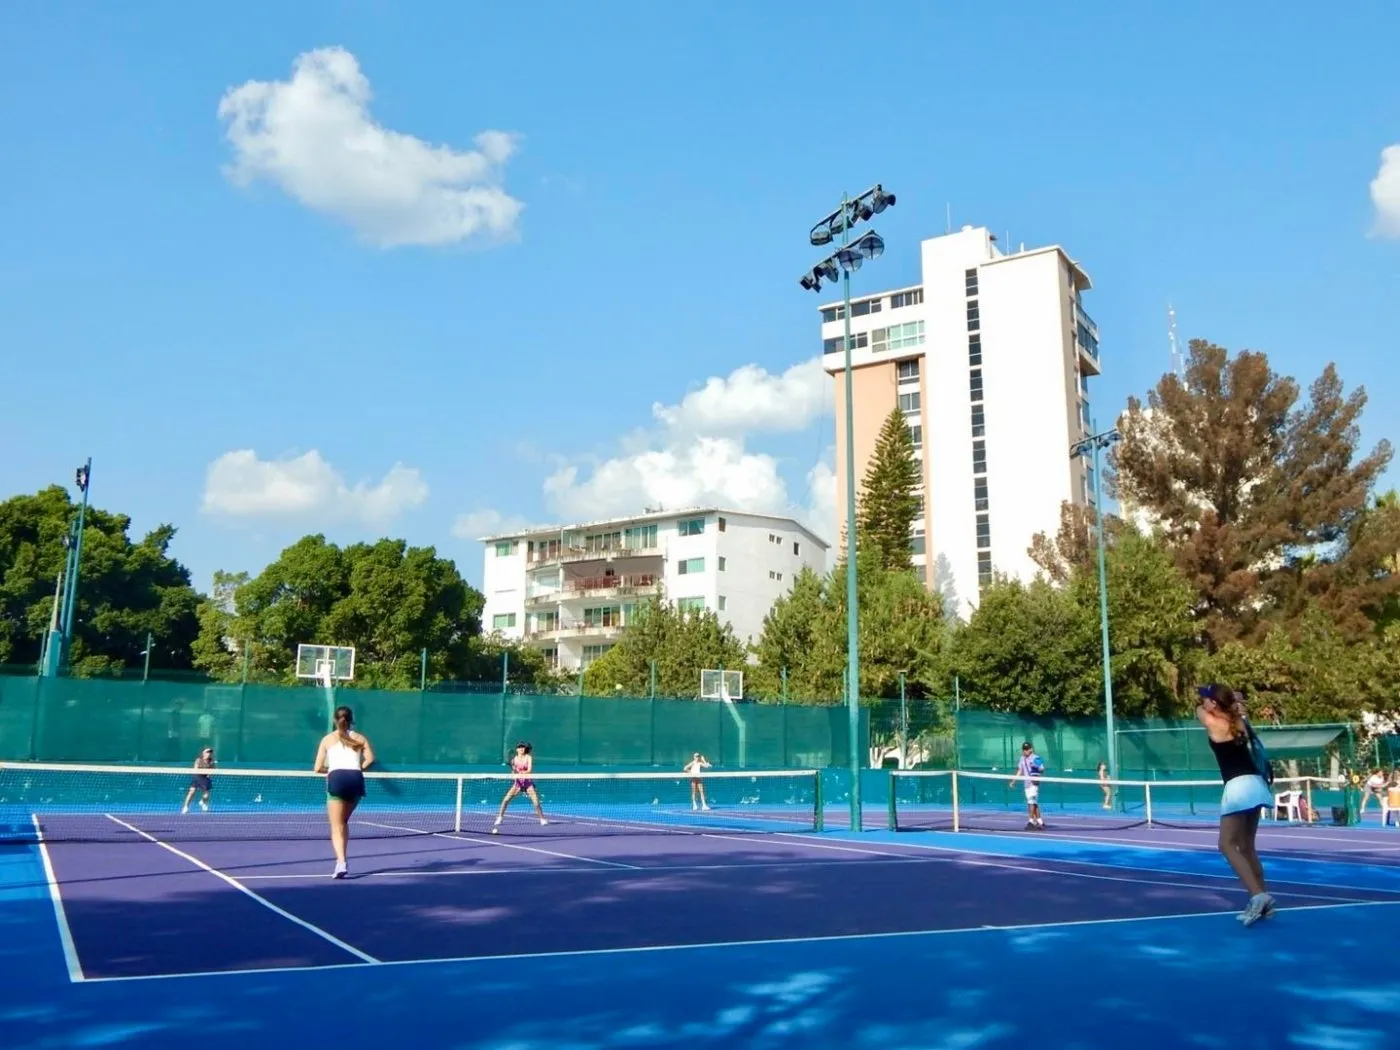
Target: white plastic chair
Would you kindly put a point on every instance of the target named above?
(1387, 811)
(1288, 802)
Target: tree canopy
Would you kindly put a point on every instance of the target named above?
(678, 643)
(127, 590)
(888, 504)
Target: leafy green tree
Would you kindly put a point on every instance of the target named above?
(126, 590)
(1262, 499)
(901, 630)
(681, 643)
(387, 599)
(888, 504)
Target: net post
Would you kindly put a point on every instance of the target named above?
(818, 816)
(957, 821)
(457, 809)
(892, 817)
(1307, 794)
(1147, 801)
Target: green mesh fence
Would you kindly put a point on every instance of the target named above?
(109, 720)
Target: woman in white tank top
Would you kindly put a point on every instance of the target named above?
(343, 756)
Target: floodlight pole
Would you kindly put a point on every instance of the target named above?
(60, 639)
(852, 597)
(1097, 443)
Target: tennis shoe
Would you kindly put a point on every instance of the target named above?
(543, 822)
(341, 870)
(1260, 906)
(204, 806)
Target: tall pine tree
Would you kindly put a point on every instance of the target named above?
(888, 504)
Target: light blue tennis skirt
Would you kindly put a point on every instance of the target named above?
(1245, 793)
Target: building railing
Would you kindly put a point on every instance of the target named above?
(599, 552)
(629, 586)
(575, 630)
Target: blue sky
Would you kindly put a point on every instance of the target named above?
(427, 269)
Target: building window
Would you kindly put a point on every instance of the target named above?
(551, 656)
(796, 550)
(984, 531)
(979, 457)
(691, 527)
(831, 313)
(974, 349)
(909, 402)
(984, 568)
(780, 577)
(690, 605)
(547, 621)
(979, 421)
(902, 299)
(859, 341)
(639, 538)
(772, 575)
(722, 563)
(722, 524)
(603, 616)
(907, 370)
(505, 549)
(970, 281)
(973, 314)
(974, 381)
(897, 337)
(979, 493)
(690, 566)
(916, 435)
(918, 505)
(723, 603)
(501, 621)
(916, 543)
(1089, 480)
(592, 653)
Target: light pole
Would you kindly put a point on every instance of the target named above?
(846, 260)
(61, 634)
(1095, 444)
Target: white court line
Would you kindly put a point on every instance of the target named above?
(65, 934)
(454, 837)
(228, 879)
(830, 938)
(972, 851)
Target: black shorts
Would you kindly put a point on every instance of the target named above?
(201, 783)
(348, 785)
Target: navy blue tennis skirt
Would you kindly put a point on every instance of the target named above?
(348, 785)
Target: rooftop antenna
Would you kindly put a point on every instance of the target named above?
(1178, 359)
(948, 226)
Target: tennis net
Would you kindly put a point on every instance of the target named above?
(75, 803)
(949, 800)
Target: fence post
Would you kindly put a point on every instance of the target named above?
(652, 686)
(247, 649)
(957, 722)
(505, 671)
(784, 678)
(652, 704)
(423, 671)
(903, 725)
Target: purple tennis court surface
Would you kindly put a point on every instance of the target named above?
(145, 908)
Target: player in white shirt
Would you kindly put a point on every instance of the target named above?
(696, 766)
(1029, 769)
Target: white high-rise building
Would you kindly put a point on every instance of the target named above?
(989, 359)
(570, 590)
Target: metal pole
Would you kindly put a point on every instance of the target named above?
(1103, 625)
(957, 720)
(852, 614)
(505, 671)
(146, 671)
(903, 726)
(76, 568)
(423, 671)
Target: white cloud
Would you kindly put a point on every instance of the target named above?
(487, 522)
(314, 137)
(1385, 193)
(749, 399)
(700, 455)
(821, 502)
(238, 484)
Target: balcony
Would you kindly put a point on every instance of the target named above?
(1086, 338)
(575, 630)
(639, 585)
(605, 552)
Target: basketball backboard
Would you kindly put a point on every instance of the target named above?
(721, 685)
(321, 663)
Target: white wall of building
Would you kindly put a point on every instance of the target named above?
(738, 571)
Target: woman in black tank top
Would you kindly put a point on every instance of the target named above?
(1221, 711)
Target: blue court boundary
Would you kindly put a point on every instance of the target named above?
(1305, 979)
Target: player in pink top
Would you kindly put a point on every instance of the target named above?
(521, 764)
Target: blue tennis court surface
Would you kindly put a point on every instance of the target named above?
(627, 933)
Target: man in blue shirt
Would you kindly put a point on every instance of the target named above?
(1029, 769)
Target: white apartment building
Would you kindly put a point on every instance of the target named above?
(989, 359)
(571, 590)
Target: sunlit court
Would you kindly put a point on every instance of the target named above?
(633, 917)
